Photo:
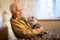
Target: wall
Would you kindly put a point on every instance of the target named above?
(4, 4)
(50, 24)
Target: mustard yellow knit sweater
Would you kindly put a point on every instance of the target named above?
(21, 29)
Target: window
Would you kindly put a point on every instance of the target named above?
(48, 9)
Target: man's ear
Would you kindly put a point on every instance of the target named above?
(13, 11)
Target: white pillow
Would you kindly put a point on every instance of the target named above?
(11, 35)
(1, 19)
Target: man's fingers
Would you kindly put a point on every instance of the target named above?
(41, 28)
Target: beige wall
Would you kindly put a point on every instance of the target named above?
(4, 4)
(50, 24)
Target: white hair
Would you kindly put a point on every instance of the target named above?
(13, 7)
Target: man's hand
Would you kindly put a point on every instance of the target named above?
(41, 28)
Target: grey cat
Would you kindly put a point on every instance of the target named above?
(36, 26)
(32, 19)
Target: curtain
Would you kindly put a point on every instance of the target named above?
(29, 7)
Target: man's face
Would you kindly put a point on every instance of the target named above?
(18, 12)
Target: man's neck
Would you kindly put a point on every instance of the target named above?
(16, 17)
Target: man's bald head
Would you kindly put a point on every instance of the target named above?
(14, 6)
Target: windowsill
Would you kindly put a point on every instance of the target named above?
(49, 19)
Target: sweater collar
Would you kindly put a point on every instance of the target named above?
(17, 18)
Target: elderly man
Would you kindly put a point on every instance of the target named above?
(20, 25)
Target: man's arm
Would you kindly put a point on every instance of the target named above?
(23, 29)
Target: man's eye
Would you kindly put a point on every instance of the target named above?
(32, 20)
